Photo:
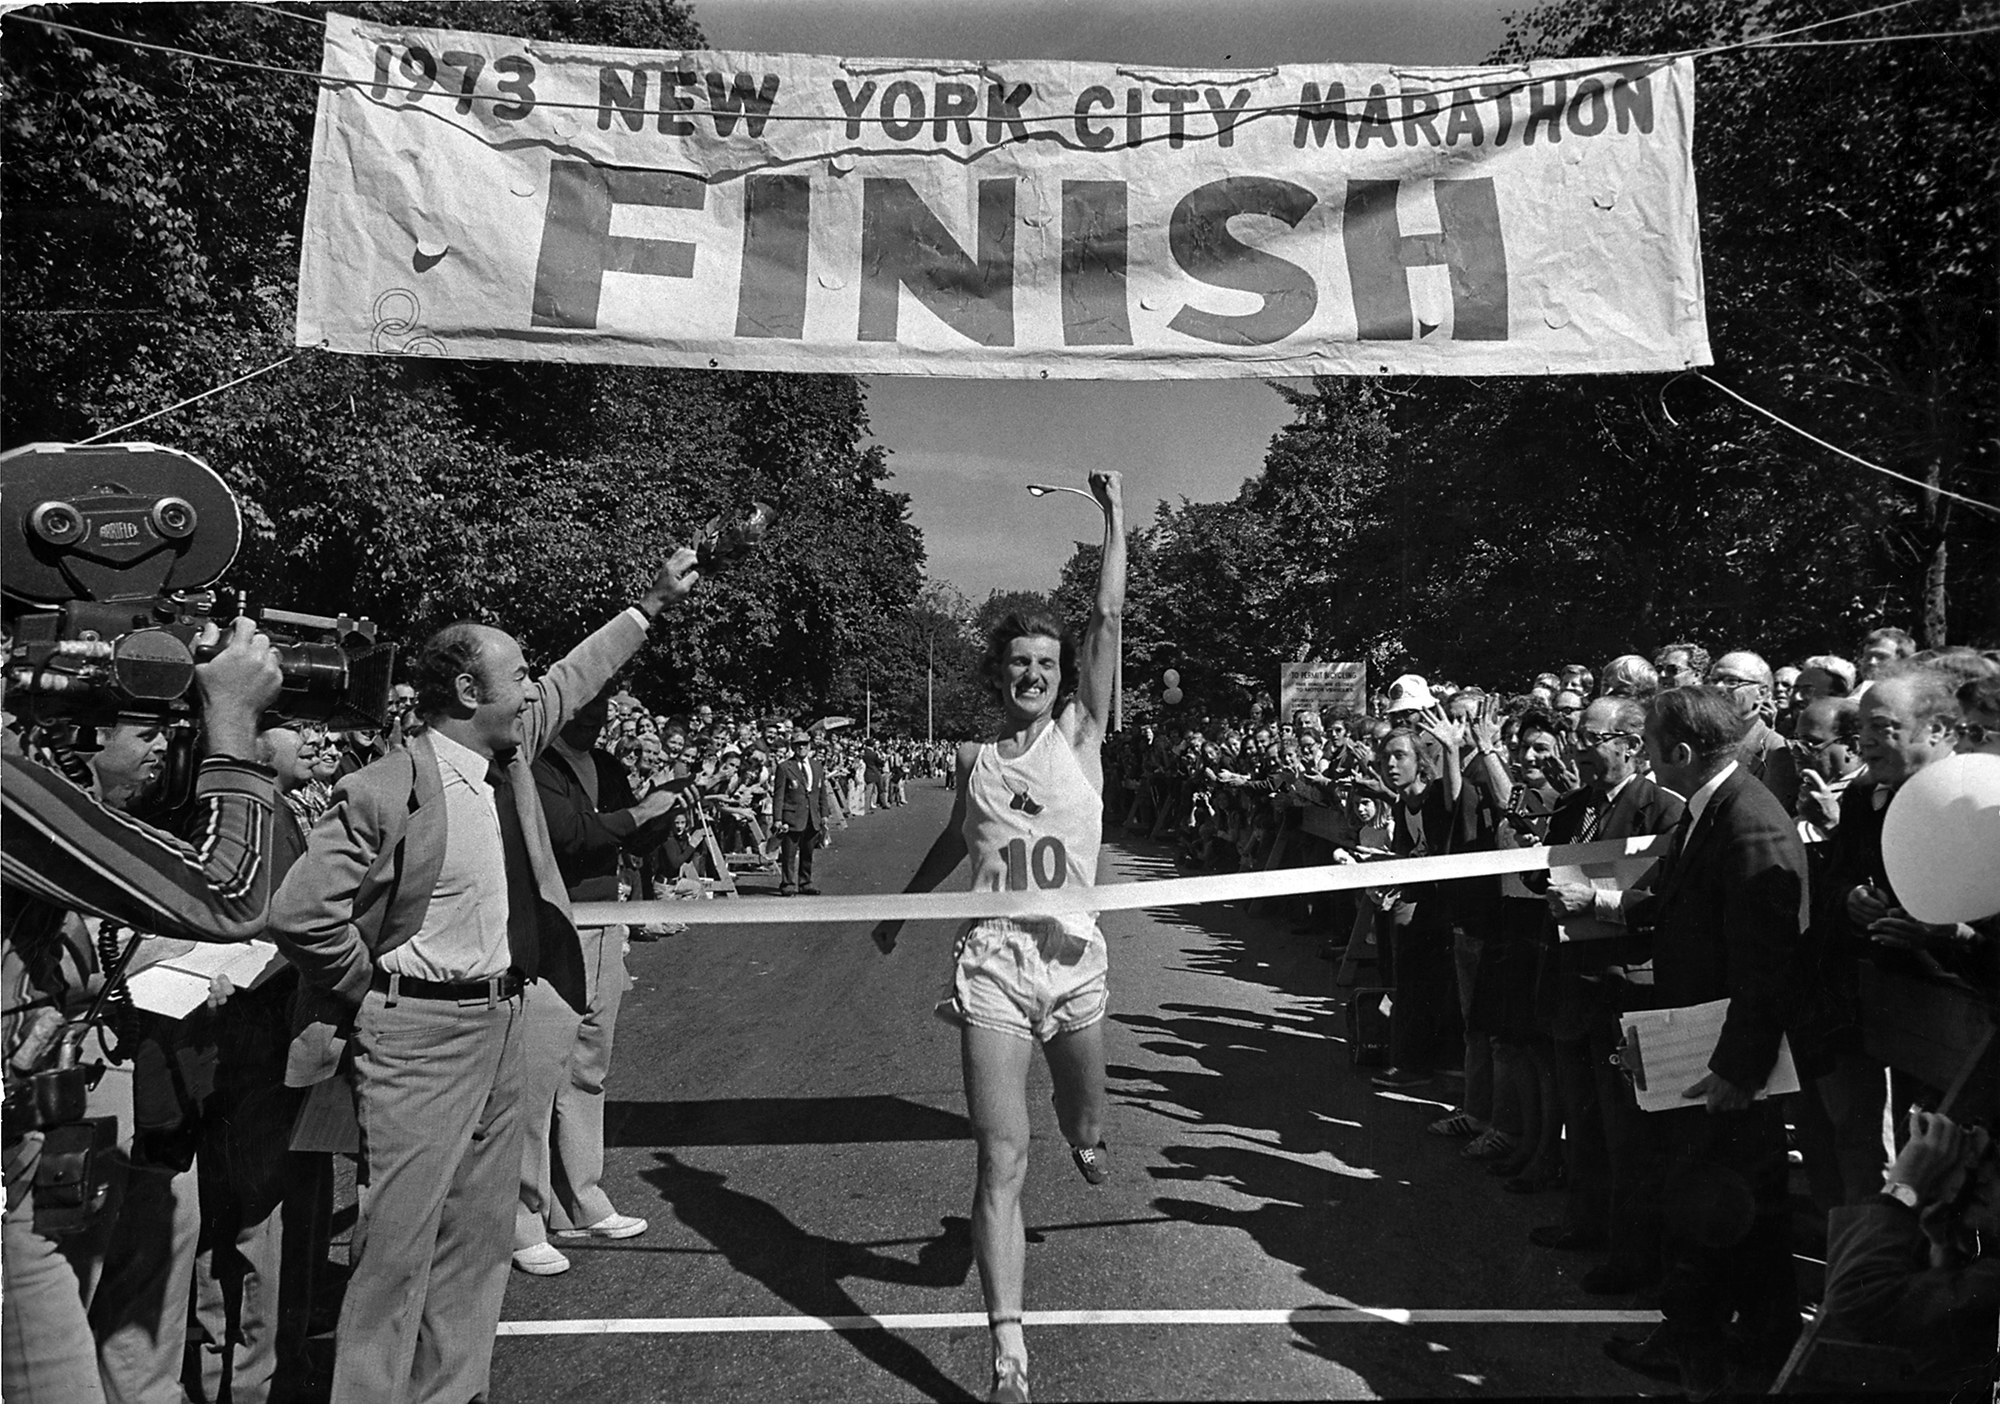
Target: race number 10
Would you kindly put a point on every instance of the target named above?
(417, 71)
(1047, 863)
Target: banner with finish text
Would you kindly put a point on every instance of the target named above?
(482, 196)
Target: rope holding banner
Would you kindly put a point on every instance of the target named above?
(193, 399)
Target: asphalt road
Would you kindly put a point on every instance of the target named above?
(788, 1114)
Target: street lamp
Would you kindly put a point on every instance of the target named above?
(1118, 658)
(930, 676)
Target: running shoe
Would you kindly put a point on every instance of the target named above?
(1010, 1382)
(1092, 1162)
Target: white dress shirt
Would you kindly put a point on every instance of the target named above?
(1609, 904)
(464, 935)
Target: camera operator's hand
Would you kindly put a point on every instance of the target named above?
(674, 583)
(237, 685)
(1936, 1154)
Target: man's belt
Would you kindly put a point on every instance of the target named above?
(492, 989)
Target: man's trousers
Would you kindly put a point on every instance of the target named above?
(438, 1095)
(795, 856)
(562, 1147)
(47, 1355)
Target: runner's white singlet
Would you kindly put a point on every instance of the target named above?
(1034, 822)
(1031, 823)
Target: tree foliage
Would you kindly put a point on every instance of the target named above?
(1491, 528)
(154, 205)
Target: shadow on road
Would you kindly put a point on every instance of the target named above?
(807, 1270)
(1257, 1094)
(780, 1121)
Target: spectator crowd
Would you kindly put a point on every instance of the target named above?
(1514, 988)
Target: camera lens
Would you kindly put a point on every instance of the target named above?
(173, 517)
(57, 523)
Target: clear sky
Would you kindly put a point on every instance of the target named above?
(963, 449)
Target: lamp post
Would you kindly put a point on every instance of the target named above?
(930, 677)
(1117, 659)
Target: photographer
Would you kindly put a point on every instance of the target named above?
(64, 853)
(1905, 1267)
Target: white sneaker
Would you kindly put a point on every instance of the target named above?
(542, 1260)
(612, 1226)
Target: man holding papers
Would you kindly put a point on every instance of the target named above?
(1588, 985)
(1722, 922)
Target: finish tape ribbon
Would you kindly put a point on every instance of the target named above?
(1622, 860)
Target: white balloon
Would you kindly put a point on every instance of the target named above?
(1941, 841)
(1171, 678)
(1171, 696)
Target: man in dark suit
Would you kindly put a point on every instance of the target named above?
(1906, 722)
(1748, 680)
(798, 808)
(1722, 921)
(594, 822)
(1589, 984)
(427, 898)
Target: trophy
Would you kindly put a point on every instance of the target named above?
(721, 542)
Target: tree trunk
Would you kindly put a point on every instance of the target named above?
(1937, 516)
(1934, 594)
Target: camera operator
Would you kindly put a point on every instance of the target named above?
(1905, 1266)
(64, 854)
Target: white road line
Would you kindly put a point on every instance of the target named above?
(961, 1320)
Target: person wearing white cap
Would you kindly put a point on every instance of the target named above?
(1410, 693)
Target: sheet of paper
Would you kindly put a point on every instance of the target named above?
(1675, 1046)
(1615, 876)
(172, 977)
(162, 989)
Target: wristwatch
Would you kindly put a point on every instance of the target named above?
(1901, 1193)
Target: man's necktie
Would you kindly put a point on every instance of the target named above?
(1676, 844)
(524, 940)
(1593, 819)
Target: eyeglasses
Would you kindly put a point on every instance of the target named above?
(1978, 735)
(1598, 738)
(1727, 680)
(1571, 711)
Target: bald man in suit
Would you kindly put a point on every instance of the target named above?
(427, 899)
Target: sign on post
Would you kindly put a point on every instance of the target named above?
(486, 196)
(1343, 687)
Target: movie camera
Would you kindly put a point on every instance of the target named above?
(108, 556)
